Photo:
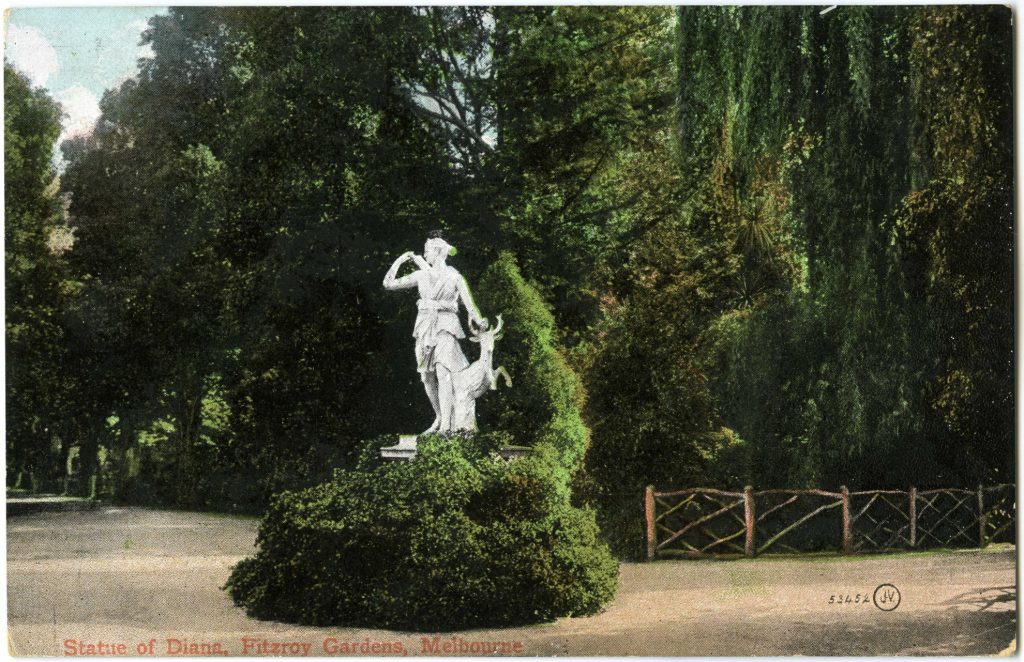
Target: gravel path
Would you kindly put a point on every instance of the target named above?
(126, 576)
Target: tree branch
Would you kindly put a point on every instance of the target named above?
(585, 183)
(451, 119)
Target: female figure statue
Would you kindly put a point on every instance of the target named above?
(437, 331)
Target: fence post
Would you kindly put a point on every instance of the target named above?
(913, 516)
(749, 519)
(982, 519)
(649, 514)
(845, 494)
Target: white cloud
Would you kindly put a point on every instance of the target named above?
(82, 108)
(30, 53)
(132, 32)
(145, 51)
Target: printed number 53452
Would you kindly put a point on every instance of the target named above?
(849, 598)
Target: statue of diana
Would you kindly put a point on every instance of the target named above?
(439, 358)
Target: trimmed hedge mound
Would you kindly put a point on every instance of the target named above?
(457, 538)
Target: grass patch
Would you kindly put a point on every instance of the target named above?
(833, 557)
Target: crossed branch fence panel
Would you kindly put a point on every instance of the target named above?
(947, 518)
(795, 520)
(704, 521)
(1000, 517)
(699, 521)
(881, 520)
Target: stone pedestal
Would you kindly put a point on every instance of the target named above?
(404, 450)
(512, 452)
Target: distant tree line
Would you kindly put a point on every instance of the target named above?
(776, 243)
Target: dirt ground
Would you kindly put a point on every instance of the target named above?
(128, 576)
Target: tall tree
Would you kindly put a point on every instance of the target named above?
(146, 199)
(33, 268)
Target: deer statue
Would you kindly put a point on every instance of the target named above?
(474, 380)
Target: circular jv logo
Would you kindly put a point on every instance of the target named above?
(886, 597)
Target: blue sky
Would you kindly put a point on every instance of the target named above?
(76, 53)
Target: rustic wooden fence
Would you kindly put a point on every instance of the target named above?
(702, 521)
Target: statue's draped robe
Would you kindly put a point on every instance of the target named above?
(438, 331)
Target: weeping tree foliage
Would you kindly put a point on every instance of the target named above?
(875, 135)
(817, 152)
(845, 240)
(955, 231)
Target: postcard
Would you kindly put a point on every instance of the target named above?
(556, 330)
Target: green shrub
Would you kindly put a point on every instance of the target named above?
(543, 407)
(456, 539)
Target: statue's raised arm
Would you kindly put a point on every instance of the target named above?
(393, 283)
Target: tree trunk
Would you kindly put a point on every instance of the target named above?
(126, 441)
(65, 450)
(188, 427)
(88, 457)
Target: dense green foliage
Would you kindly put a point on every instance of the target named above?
(543, 407)
(458, 538)
(809, 317)
(838, 140)
(751, 245)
